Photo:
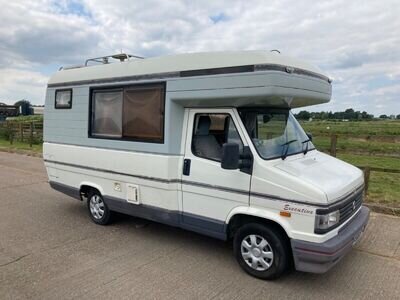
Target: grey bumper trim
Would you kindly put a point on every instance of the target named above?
(320, 257)
(65, 189)
(200, 224)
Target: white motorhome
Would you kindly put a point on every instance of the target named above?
(206, 142)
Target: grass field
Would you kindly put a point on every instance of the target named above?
(357, 145)
(18, 146)
(375, 127)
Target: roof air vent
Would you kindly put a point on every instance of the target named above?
(289, 70)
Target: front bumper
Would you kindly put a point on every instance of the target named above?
(320, 257)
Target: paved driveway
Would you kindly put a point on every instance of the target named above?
(49, 249)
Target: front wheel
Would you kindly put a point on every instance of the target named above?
(261, 251)
(98, 209)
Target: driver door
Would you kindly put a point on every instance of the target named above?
(210, 192)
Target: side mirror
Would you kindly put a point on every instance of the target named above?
(230, 156)
(309, 134)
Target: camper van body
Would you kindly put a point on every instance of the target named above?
(97, 143)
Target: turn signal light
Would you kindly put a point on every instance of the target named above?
(285, 214)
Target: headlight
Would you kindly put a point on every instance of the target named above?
(324, 222)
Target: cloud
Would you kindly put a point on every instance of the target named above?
(32, 35)
(357, 43)
(25, 84)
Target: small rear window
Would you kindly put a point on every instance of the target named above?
(63, 99)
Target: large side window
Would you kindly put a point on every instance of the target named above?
(129, 113)
(211, 131)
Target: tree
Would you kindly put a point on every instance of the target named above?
(364, 115)
(349, 114)
(303, 115)
(398, 117)
(25, 107)
(22, 102)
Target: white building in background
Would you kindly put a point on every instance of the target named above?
(38, 110)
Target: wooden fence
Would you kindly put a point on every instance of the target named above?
(367, 170)
(28, 131)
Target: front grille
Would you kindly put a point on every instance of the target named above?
(350, 207)
(347, 208)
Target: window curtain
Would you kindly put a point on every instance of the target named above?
(107, 114)
(144, 113)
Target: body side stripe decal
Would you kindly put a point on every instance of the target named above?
(114, 172)
(204, 185)
(116, 149)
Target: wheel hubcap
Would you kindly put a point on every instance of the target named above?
(96, 206)
(257, 252)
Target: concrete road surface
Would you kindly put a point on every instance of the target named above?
(49, 249)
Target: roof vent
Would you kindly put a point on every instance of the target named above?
(289, 70)
(106, 59)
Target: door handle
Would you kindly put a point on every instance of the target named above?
(186, 167)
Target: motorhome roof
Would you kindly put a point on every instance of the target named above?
(170, 65)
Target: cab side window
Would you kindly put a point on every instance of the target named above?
(210, 132)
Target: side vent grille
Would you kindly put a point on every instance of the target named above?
(132, 194)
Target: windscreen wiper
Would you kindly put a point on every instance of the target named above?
(284, 155)
(306, 141)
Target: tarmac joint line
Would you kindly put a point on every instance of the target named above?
(376, 254)
(15, 260)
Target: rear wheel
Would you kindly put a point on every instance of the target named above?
(261, 251)
(98, 209)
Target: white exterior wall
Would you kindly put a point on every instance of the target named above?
(136, 165)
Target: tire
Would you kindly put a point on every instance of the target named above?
(98, 209)
(261, 251)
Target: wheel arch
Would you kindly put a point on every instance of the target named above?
(86, 186)
(239, 217)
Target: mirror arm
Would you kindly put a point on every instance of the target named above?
(309, 135)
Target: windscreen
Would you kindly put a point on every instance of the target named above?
(275, 133)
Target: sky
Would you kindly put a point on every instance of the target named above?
(356, 43)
